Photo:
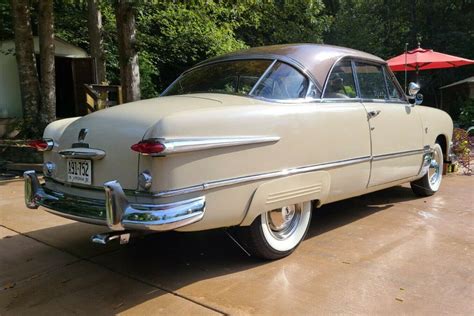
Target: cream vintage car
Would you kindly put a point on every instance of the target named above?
(253, 140)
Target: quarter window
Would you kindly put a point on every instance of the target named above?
(341, 82)
(282, 82)
(394, 92)
(371, 81)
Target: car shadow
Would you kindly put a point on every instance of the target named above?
(172, 261)
(344, 212)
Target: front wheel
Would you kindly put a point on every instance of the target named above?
(430, 182)
(276, 233)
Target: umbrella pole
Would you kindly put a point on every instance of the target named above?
(406, 52)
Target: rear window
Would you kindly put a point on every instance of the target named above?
(232, 77)
(267, 79)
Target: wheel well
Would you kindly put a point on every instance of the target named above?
(441, 140)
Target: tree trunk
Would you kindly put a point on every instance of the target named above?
(26, 62)
(128, 57)
(46, 43)
(95, 39)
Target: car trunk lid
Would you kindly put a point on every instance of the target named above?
(108, 134)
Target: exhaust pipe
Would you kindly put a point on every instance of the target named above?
(103, 239)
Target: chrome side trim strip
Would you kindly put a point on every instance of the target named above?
(398, 154)
(173, 146)
(261, 176)
(267, 175)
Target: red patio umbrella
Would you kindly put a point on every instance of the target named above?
(423, 59)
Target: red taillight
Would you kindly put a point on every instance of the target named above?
(148, 147)
(41, 144)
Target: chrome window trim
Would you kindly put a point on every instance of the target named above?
(326, 81)
(359, 100)
(356, 79)
(261, 78)
(329, 74)
(386, 83)
(387, 77)
(397, 84)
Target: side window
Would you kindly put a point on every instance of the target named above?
(371, 81)
(393, 92)
(282, 82)
(341, 82)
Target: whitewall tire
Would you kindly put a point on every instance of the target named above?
(429, 184)
(276, 233)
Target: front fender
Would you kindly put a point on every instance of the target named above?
(286, 191)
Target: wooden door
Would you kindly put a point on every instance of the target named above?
(83, 72)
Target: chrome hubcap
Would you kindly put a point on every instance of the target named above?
(435, 169)
(284, 221)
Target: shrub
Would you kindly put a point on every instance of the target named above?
(462, 145)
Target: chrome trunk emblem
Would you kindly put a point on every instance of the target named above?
(82, 135)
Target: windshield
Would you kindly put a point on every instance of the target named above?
(243, 77)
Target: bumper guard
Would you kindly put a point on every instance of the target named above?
(120, 214)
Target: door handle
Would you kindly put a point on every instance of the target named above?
(372, 114)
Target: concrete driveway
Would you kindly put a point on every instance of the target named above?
(386, 252)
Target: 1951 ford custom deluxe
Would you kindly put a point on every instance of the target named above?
(253, 139)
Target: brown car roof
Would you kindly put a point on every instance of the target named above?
(315, 59)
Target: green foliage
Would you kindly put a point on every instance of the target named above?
(174, 35)
(178, 35)
(462, 146)
(6, 27)
(466, 116)
(277, 22)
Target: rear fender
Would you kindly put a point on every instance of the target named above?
(286, 191)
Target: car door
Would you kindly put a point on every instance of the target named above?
(342, 119)
(395, 126)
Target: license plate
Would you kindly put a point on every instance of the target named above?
(79, 171)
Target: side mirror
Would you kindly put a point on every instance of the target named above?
(418, 98)
(413, 89)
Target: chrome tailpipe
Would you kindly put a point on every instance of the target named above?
(103, 239)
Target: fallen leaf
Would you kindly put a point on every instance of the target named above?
(10, 285)
(399, 299)
(345, 262)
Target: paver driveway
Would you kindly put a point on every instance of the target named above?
(386, 252)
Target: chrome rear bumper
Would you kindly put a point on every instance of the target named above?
(116, 212)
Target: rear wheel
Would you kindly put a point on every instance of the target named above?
(430, 182)
(277, 233)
